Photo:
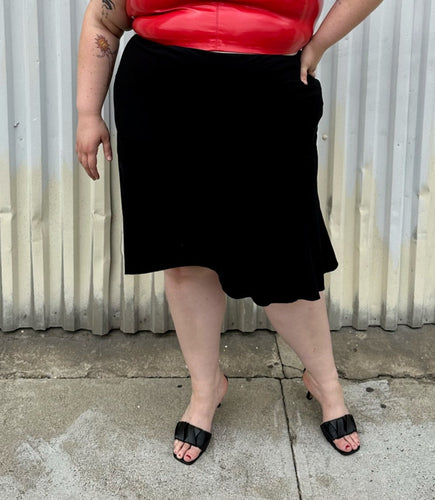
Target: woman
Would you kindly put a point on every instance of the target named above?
(217, 107)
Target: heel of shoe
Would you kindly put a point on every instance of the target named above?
(308, 395)
(220, 404)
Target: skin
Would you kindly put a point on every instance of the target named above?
(197, 305)
(104, 23)
(340, 20)
(195, 297)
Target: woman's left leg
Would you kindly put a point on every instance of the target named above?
(304, 326)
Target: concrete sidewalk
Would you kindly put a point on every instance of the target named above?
(85, 417)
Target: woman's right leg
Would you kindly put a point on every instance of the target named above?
(197, 305)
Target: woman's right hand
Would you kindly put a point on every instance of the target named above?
(91, 132)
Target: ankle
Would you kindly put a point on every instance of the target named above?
(326, 391)
(204, 390)
(203, 382)
(322, 381)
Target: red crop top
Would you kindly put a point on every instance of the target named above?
(249, 26)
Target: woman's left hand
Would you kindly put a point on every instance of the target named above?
(342, 17)
(310, 57)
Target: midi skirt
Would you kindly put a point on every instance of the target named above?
(218, 168)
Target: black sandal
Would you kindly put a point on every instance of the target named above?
(188, 433)
(337, 428)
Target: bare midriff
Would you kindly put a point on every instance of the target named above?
(248, 26)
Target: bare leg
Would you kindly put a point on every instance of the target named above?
(197, 304)
(304, 326)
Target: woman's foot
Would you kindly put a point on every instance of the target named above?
(330, 397)
(200, 413)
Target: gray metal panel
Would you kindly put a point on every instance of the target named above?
(61, 260)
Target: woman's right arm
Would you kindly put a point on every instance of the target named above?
(103, 25)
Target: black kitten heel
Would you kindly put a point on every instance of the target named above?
(308, 395)
(220, 404)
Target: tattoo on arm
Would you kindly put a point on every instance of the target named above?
(103, 46)
(107, 5)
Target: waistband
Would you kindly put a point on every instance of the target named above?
(194, 54)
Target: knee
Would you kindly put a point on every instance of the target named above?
(187, 274)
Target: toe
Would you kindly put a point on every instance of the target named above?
(354, 439)
(343, 445)
(191, 454)
(347, 443)
(183, 450)
(177, 446)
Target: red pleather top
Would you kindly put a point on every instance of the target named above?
(247, 26)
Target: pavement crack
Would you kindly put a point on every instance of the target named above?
(379, 376)
(279, 354)
(292, 440)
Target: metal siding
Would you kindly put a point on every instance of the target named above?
(61, 260)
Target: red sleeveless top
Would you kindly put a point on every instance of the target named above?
(248, 26)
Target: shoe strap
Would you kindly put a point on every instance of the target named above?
(339, 427)
(190, 434)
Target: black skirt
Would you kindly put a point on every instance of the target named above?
(218, 168)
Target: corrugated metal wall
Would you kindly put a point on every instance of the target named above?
(60, 234)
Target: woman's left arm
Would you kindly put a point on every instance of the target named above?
(342, 18)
